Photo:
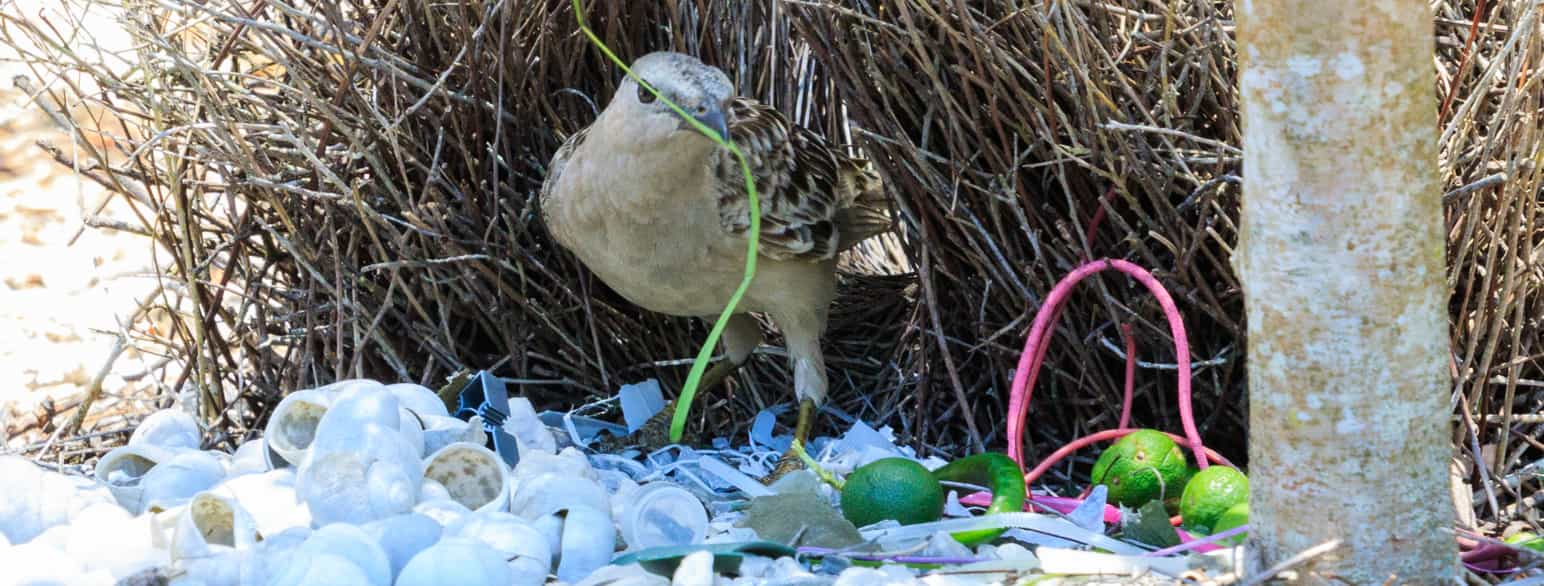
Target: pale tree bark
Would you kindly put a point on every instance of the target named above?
(1341, 257)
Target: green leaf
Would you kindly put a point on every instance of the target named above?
(726, 556)
(1150, 525)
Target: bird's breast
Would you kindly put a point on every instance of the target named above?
(653, 237)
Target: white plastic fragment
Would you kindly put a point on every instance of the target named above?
(891, 537)
(350, 487)
(696, 568)
(640, 401)
(551, 529)
(739, 480)
(882, 576)
(761, 432)
(952, 506)
(1056, 560)
(529, 432)
(941, 544)
(785, 570)
(411, 427)
(1089, 514)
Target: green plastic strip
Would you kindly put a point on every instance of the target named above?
(684, 404)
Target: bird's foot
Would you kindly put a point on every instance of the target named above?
(786, 465)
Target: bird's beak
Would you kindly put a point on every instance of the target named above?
(714, 119)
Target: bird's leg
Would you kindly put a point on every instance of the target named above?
(740, 337)
(801, 428)
(809, 380)
(790, 462)
(720, 371)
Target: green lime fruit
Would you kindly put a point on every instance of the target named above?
(1144, 465)
(1171, 500)
(1210, 493)
(1528, 540)
(1236, 516)
(892, 488)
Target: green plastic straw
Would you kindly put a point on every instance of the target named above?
(684, 404)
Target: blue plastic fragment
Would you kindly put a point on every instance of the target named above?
(486, 395)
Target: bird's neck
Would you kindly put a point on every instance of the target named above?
(656, 138)
(659, 174)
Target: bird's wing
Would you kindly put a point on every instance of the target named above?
(545, 200)
(559, 161)
(815, 200)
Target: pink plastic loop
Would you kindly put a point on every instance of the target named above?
(1037, 343)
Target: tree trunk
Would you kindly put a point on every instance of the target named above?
(1341, 256)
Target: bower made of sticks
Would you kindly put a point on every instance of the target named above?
(343, 189)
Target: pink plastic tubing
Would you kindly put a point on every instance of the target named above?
(1131, 376)
(1037, 343)
(1059, 504)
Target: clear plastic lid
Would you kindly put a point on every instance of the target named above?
(661, 514)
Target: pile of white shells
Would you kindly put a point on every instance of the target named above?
(356, 482)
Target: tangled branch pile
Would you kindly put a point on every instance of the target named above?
(346, 189)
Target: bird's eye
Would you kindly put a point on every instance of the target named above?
(644, 95)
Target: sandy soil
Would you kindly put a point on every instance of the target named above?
(62, 297)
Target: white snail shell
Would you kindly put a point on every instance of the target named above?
(473, 475)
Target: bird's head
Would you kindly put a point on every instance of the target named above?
(701, 90)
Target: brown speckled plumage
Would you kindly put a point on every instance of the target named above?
(816, 201)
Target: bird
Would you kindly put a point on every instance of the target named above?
(659, 212)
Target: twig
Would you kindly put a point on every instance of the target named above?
(1483, 183)
(1292, 562)
(1112, 125)
(94, 388)
(398, 264)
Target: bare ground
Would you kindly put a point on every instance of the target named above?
(65, 288)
